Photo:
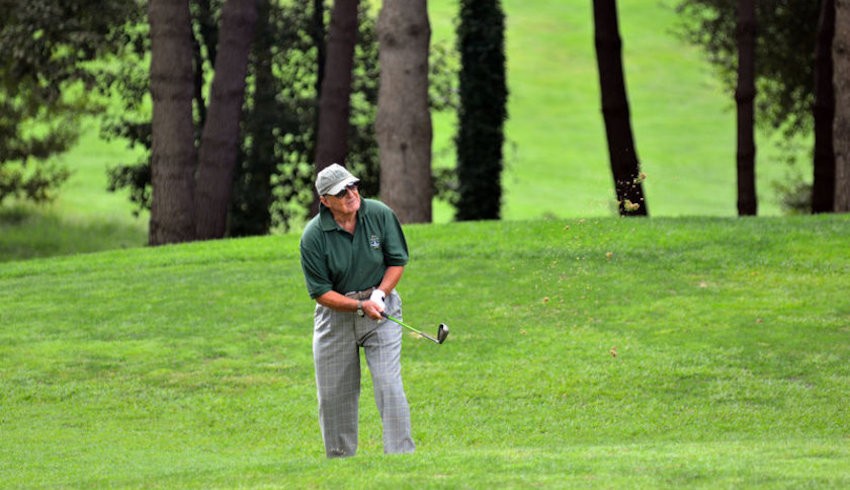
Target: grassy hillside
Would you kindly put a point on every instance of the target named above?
(683, 122)
(602, 353)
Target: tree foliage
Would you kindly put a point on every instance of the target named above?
(483, 109)
(44, 84)
(784, 52)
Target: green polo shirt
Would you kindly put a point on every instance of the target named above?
(333, 259)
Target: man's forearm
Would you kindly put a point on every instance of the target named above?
(337, 301)
(391, 278)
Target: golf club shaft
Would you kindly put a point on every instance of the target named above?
(395, 320)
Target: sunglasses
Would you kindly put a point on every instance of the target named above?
(344, 192)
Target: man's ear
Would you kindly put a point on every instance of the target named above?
(324, 200)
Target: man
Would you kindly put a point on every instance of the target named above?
(353, 254)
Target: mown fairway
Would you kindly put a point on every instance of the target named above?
(605, 353)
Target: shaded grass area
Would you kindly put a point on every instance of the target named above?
(28, 232)
(85, 217)
(599, 353)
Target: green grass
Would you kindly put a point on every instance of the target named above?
(190, 366)
(28, 232)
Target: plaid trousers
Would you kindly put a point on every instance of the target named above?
(337, 339)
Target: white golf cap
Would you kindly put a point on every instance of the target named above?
(333, 179)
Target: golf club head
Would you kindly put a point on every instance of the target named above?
(442, 333)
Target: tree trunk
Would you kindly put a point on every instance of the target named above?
(318, 35)
(482, 114)
(334, 104)
(403, 121)
(745, 94)
(220, 139)
(615, 109)
(841, 128)
(250, 210)
(335, 99)
(317, 32)
(173, 153)
(823, 185)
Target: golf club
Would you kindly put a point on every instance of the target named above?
(442, 330)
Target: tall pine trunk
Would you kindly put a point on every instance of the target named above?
(615, 109)
(745, 95)
(823, 184)
(250, 211)
(317, 34)
(335, 100)
(403, 121)
(220, 139)
(173, 154)
(841, 127)
(335, 94)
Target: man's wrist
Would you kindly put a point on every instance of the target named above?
(359, 308)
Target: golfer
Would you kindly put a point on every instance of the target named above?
(353, 254)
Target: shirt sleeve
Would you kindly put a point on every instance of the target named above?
(395, 244)
(313, 264)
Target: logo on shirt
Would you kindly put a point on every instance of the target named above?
(374, 242)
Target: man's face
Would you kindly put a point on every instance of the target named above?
(346, 202)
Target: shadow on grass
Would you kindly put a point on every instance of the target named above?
(27, 233)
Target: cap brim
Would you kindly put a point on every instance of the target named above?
(342, 185)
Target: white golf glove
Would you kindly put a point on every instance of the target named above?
(378, 298)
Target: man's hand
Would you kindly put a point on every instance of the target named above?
(372, 310)
(375, 305)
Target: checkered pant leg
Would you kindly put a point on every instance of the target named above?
(383, 354)
(337, 362)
